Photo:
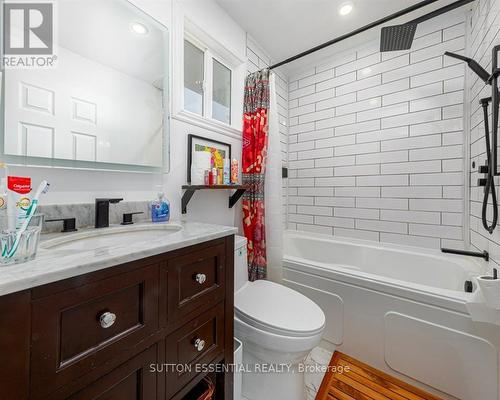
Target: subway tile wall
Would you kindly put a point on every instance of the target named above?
(376, 142)
(484, 33)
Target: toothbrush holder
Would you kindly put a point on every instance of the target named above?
(490, 288)
(28, 243)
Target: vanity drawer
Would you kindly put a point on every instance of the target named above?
(196, 280)
(198, 342)
(77, 330)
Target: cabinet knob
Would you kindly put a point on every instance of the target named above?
(107, 319)
(199, 344)
(200, 278)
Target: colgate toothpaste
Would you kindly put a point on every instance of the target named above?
(18, 201)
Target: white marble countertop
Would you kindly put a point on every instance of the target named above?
(52, 265)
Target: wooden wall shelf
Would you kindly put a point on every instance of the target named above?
(191, 189)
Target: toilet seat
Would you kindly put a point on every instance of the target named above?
(277, 309)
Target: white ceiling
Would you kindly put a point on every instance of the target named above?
(285, 28)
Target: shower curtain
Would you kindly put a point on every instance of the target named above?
(254, 157)
(274, 188)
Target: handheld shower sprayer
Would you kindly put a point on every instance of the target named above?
(489, 168)
(473, 65)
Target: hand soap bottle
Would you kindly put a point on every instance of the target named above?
(160, 209)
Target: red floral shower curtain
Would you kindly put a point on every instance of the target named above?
(255, 139)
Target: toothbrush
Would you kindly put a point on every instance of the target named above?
(42, 188)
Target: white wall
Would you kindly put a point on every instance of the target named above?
(376, 141)
(483, 35)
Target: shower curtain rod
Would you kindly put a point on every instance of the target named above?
(371, 25)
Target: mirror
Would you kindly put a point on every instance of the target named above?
(104, 99)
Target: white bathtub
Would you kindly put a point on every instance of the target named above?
(400, 309)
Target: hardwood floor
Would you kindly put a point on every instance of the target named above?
(350, 379)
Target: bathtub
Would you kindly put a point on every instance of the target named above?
(400, 309)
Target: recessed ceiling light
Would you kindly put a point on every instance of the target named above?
(345, 9)
(139, 28)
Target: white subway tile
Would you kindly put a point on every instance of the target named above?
(358, 85)
(314, 172)
(339, 59)
(301, 146)
(333, 221)
(357, 191)
(301, 128)
(423, 217)
(382, 158)
(437, 153)
(319, 77)
(415, 192)
(335, 201)
(356, 233)
(314, 210)
(413, 69)
(336, 101)
(453, 111)
(437, 50)
(315, 97)
(454, 219)
(453, 165)
(300, 200)
(408, 240)
(372, 202)
(412, 118)
(438, 75)
(440, 231)
(293, 112)
(384, 89)
(375, 102)
(411, 143)
(382, 180)
(316, 116)
(436, 205)
(318, 153)
(337, 81)
(357, 128)
(317, 134)
(383, 112)
(384, 134)
(382, 226)
(356, 213)
(295, 94)
(413, 94)
(299, 218)
(358, 64)
(301, 164)
(453, 192)
(334, 161)
(443, 100)
(316, 191)
(324, 230)
(357, 170)
(414, 167)
(454, 84)
(357, 149)
(301, 182)
(337, 121)
(384, 66)
(337, 181)
(443, 179)
(449, 125)
(335, 141)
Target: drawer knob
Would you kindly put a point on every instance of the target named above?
(107, 319)
(200, 278)
(199, 344)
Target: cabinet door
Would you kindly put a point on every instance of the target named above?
(133, 380)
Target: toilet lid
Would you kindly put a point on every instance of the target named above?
(279, 309)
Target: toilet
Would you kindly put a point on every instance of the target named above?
(278, 327)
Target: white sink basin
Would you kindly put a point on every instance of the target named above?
(110, 237)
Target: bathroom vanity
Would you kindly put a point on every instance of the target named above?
(113, 323)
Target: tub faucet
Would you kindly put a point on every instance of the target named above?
(484, 254)
(102, 211)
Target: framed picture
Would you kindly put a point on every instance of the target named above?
(218, 150)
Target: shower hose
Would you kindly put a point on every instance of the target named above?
(490, 184)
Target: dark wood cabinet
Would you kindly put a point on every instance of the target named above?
(111, 334)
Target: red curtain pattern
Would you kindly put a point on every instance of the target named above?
(255, 139)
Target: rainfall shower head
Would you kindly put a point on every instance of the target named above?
(400, 37)
(397, 37)
(473, 65)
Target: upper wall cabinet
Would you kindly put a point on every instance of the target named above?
(105, 100)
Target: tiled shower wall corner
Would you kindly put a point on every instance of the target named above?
(376, 142)
(484, 33)
(258, 59)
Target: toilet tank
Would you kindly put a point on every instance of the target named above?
(240, 262)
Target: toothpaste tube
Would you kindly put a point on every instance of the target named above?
(18, 200)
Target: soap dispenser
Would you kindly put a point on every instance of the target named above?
(160, 209)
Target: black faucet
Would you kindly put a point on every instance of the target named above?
(102, 211)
